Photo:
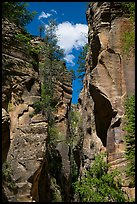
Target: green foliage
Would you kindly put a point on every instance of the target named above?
(36, 49)
(46, 104)
(52, 70)
(41, 30)
(10, 107)
(23, 38)
(81, 62)
(55, 191)
(129, 8)
(7, 177)
(53, 133)
(130, 137)
(129, 36)
(99, 185)
(53, 51)
(74, 122)
(17, 13)
(128, 41)
(74, 118)
(72, 73)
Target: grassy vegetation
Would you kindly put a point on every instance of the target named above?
(128, 37)
(130, 136)
(128, 41)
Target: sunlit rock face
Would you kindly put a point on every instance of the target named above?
(38, 173)
(110, 77)
(52, 180)
(20, 89)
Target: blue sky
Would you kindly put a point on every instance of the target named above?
(72, 30)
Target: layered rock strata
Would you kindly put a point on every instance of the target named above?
(106, 85)
(25, 134)
(51, 182)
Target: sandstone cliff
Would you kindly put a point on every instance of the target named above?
(24, 136)
(42, 171)
(109, 78)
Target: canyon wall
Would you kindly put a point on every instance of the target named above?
(41, 168)
(109, 78)
(37, 173)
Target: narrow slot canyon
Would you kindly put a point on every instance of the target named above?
(63, 111)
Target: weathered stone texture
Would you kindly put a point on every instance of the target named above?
(21, 88)
(109, 79)
(5, 134)
(31, 161)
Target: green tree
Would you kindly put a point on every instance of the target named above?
(53, 50)
(7, 177)
(41, 30)
(130, 137)
(99, 185)
(129, 8)
(17, 13)
(52, 70)
(81, 63)
(129, 35)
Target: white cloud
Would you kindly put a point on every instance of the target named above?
(44, 15)
(71, 36)
(52, 10)
(69, 59)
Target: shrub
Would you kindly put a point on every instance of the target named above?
(23, 38)
(128, 41)
(74, 118)
(7, 177)
(129, 36)
(129, 8)
(99, 185)
(130, 136)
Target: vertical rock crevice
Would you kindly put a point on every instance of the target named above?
(34, 166)
(106, 85)
(42, 170)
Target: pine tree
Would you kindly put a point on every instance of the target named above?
(41, 30)
(99, 185)
(52, 69)
(81, 63)
(17, 13)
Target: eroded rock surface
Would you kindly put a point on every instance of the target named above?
(5, 134)
(21, 88)
(41, 171)
(109, 79)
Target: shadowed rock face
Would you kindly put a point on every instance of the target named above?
(20, 89)
(42, 171)
(102, 111)
(108, 80)
(5, 134)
